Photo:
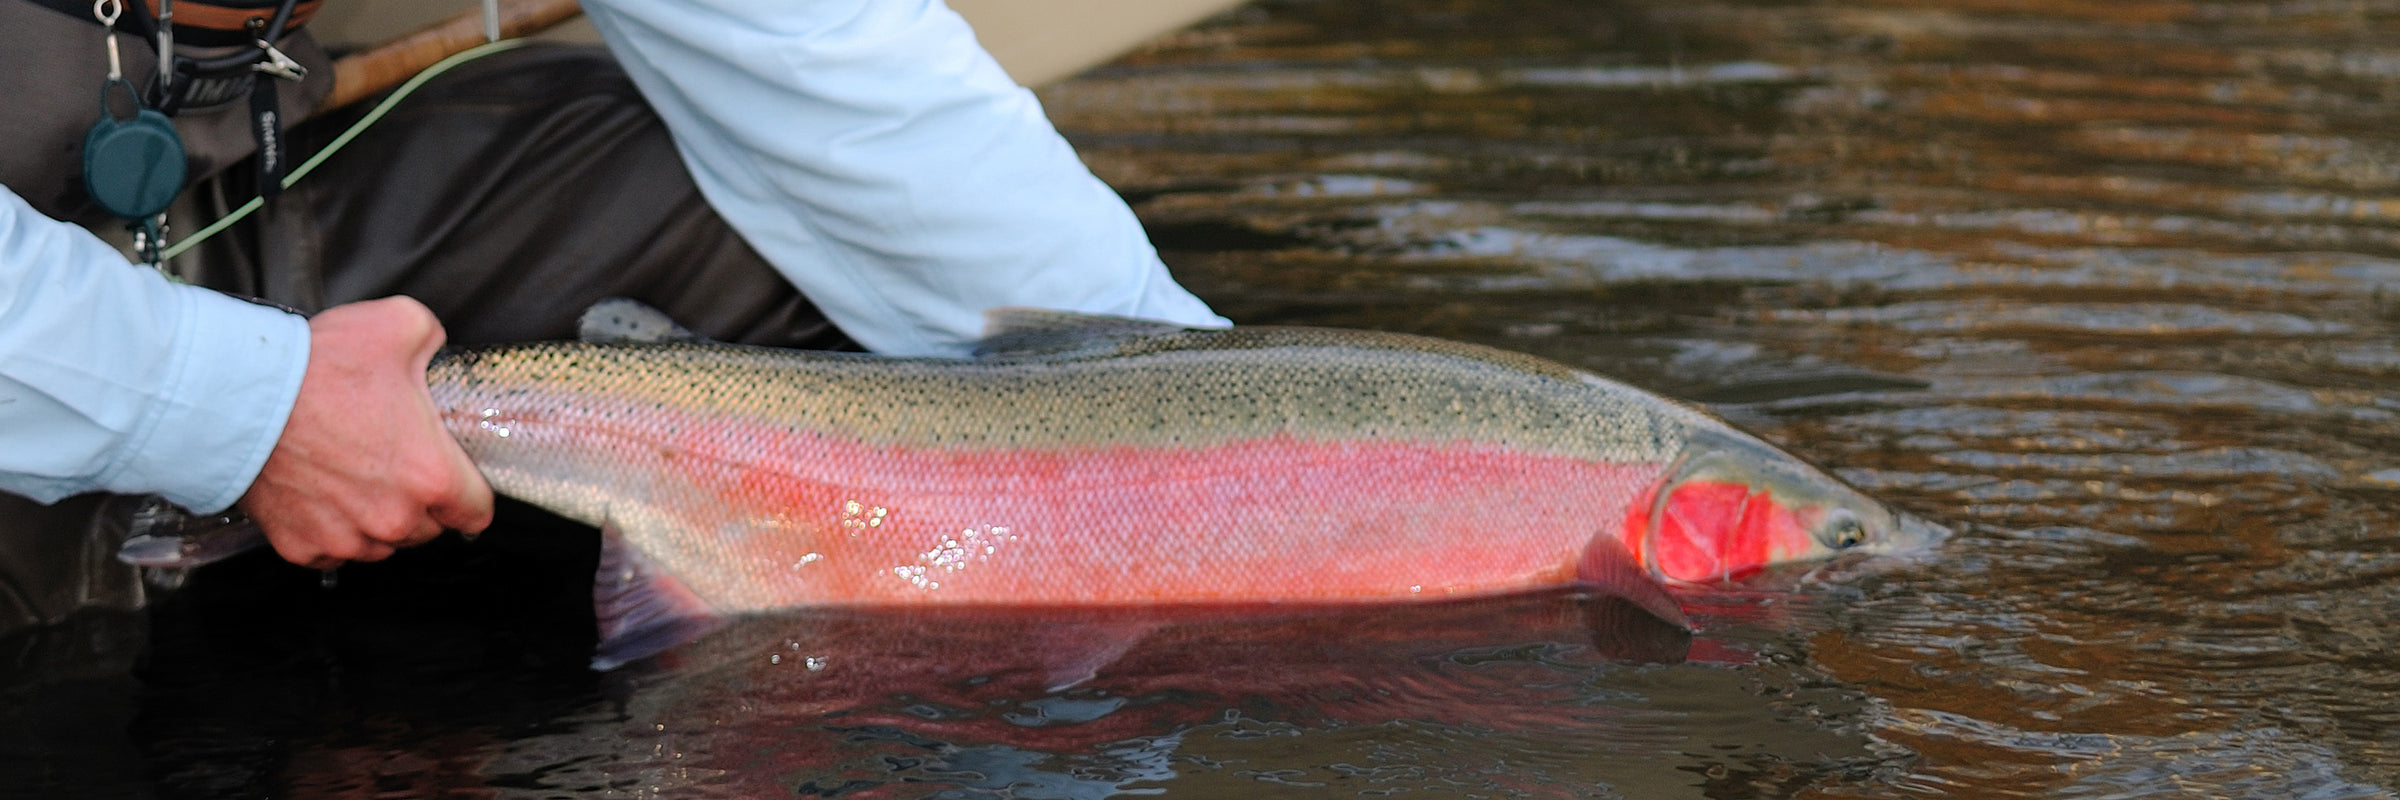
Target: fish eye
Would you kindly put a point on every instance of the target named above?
(1844, 531)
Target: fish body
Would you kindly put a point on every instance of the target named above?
(1129, 465)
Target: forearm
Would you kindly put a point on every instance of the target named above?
(114, 378)
(879, 158)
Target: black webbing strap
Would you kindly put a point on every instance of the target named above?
(142, 24)
(206, 23)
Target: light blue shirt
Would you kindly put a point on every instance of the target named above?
(876, 155)
(869, 149)
(113, 377)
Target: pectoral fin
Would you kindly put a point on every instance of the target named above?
(1075, 655)
(1609, 568)
(1624, 630)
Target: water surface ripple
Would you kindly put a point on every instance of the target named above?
(2104, 286)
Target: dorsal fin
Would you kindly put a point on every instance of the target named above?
(619, 320)
(1012, 333)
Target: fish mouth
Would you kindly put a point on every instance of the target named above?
(1914, 542)
(1914, 534)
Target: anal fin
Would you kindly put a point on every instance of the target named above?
(642, 611)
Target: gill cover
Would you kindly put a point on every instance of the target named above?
(1733, 505)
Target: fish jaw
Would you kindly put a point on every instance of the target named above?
(1913, 538)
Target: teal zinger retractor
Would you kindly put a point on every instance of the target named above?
(133, 164)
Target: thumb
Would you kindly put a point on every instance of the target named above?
(465, 504)
(467, 507)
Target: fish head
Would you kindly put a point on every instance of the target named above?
(1732, 505)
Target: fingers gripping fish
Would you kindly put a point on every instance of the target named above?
(1097, 461)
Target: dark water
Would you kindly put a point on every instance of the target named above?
(2102, 286)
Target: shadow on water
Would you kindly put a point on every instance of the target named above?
(2106, 287)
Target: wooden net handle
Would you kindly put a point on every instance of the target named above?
(365, 74)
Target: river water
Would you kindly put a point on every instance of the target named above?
(2102, 287)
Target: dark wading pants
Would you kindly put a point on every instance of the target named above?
(507, 196)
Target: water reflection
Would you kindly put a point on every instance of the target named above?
(1510, 695)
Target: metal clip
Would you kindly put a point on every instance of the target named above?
(278, 64)
(107, 11)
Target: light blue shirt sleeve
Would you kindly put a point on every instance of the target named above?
(114, 378)
(881, 160)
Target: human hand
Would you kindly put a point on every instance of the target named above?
(364, 466)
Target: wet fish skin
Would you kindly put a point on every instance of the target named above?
(1134, 465)
(1733, 503)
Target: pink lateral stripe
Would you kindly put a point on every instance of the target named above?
(789, 518)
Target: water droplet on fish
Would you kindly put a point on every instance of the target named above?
(856, 515)
(815, 663)
(775, 658)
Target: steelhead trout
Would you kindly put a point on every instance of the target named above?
(1089, 461)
